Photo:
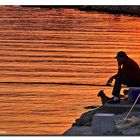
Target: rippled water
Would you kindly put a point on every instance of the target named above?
(57, 46)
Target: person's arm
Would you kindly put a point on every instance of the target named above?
(116, 75)
(111, 79)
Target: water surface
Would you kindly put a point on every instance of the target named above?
(57, 46)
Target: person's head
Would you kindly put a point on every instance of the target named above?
(121, 57)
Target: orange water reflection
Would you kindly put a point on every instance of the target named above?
(41, 45)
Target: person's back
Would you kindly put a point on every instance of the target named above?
(131, 69)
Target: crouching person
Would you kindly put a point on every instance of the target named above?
(128, 74)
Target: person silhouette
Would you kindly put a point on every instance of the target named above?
(128, 74)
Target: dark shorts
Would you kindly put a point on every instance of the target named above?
(130, 82)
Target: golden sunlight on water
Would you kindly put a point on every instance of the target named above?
(57, 46)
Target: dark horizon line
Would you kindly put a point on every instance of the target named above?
(130, 10)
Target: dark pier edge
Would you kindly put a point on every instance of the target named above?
(131, 10)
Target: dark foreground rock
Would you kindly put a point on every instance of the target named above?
(86, 118)
(83, 125)
(129, 126)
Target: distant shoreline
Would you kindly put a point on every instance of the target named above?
(133, 10)
(124, 10)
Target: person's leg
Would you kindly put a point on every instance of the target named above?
(126, 81)
(117, 87)
(116, 91)
(131, 82)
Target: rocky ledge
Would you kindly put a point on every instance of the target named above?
(83, 125)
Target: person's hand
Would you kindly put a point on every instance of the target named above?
(109, 81)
